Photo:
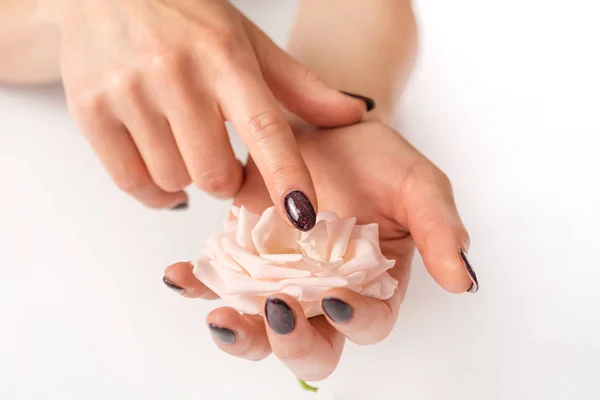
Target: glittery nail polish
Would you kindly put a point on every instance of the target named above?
(279, 316)
(300, 211)
(223, 335)
(172, 286)
(475, 284)
(336, 309)
(370, 103)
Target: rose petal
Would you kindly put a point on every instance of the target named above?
(283, 258)
(316, 267)
(245, 304)
(272, 272)
(246, 222)
(311, 309)
(273, 236)
(305, 293)
(361, 248)
(357, 264)
(243, 284)
(214, 250)
(356, 278)
(372, 289)
(327, 216)
(329, 281)
(368, 232)
(383, 265)
(242, 256)
(382, 288)
(206, 273)
(339, 233)
(314, 243)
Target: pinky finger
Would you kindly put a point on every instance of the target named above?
(241, 335)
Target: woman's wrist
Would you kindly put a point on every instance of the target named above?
(367, 48)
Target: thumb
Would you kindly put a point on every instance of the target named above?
(437, 229)
(301, 91)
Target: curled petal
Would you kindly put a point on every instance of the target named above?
(368, 232)
(329, 281)
(206, 273)
(273, 236)
(315, 243)
(339, 233)
(246, 222)
(273, 272)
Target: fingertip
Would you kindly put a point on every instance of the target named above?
(240, 335)
(452, 274)
(299, 210)
(180, 278)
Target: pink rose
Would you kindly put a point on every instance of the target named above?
(257, 256)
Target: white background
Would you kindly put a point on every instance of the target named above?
(505, 99)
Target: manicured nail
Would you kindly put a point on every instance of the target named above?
(368, 101)
(336, 309)
(475, 285)
(299, 210)
(173, 286)
(223, 335)
(279, 316)
(180, 207)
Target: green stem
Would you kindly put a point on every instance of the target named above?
(306, 386)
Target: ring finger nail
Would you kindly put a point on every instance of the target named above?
(336, 309)
(475, 285)
(173, 286)
(279, 316)
(299, 210)
(223, 335)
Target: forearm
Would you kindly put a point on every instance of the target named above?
(358, 46)
(28, 44)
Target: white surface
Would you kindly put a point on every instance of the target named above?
(506, 99)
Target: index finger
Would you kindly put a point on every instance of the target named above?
(247, 102)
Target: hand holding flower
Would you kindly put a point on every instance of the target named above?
(366, 171)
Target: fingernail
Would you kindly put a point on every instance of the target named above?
(223, 335)
(368, 101)
(180, 207)
(336, 309)
(299, 210)
(173, 286)
(279, 316)
(475, 285)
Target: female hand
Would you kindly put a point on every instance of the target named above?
(370, 172)
(151, 82)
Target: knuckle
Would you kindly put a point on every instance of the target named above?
(265, 126)
(217, 181)
(122, 84)
(165, 62)
(423, 174)
(87, 103)
(132, 180)
(172, 183)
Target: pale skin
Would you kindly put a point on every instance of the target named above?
(366, 169)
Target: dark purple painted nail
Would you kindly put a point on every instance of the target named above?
(475, 285)
(299, 210)
(223, 335)
(173, 286)
(368, 101)
(336, 309)
(180, 207)
(279, 316)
